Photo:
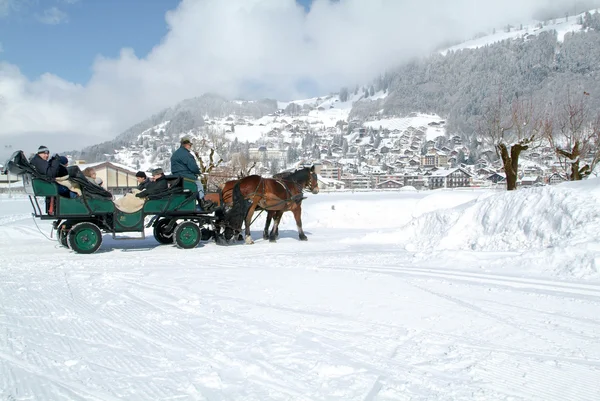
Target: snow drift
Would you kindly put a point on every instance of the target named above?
(542, 217)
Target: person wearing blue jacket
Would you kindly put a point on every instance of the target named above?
(183, 164)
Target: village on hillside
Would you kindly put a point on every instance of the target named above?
(410, 153)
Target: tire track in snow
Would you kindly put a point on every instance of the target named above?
(574, 290)
(57, 380)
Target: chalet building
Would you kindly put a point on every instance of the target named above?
(450, 178)
(262, 152)
(530, 181)
(389, 184)
(331, 172)
(556, 178)
(414, 180)
(327, 184)
(389, 177)
(434, 158)
(496, 178)
(116, 178)
(357, 182)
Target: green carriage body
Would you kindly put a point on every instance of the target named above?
(80, 221)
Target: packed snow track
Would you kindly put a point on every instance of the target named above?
(362, 311)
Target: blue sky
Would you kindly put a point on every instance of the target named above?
(64, 37)
(54, 85)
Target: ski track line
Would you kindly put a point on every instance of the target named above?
(13, 218)
(493, 316)
(71, 386)
(582, 291)
(515, 282)
(481, 311)
(342, 351)
(364, 360)
(582, 365)
(232, 320)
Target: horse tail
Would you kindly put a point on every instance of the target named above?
(236, 215)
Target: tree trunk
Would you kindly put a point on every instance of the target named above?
(511, 163)
(573, 156)
(575, 175)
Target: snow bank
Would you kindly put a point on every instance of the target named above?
(551, 216)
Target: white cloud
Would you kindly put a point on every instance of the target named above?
(53, 16)
(246, 48)
(8, 6)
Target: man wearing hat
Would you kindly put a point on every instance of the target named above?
(183, 164)
(44, 164)
(142, 180)
(51, 167)
(156, 186)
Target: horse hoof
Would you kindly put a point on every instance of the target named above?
(303, 238)
(265, 236)
(249, 241)
(272, 239)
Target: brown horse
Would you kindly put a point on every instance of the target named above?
(275, 196)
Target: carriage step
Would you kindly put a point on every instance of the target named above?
(114, 236)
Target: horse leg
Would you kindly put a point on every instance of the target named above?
(298, 216)
(267, 224)
(249, 221)
(275, 230)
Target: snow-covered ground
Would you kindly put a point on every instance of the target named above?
(440, 295)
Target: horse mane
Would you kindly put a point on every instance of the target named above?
(301, 174)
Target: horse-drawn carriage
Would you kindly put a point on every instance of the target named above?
(79, 222)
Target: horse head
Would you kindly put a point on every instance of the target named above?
(313, 182)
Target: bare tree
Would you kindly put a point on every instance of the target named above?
(242, 165)
(511, 130)
(574, 134)
(205, 167)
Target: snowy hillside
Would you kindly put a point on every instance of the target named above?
(431, 124)
(153, 146)
(562, 26)
(396, 295)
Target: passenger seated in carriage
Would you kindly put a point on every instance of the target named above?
(134, 201)
(156, 185)
(51, 168)
(142, 180)
(90, 174)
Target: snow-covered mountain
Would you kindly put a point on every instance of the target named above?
(394, 119)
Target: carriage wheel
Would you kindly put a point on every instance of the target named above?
(61, 234)
(187, 235)
(162, 233)
(84, 238)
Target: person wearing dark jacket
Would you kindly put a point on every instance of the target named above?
(51, 168)
(44, 164)
(156, 186)
(142, 180)
(183, 164)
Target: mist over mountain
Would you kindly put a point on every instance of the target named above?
(544, 62)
